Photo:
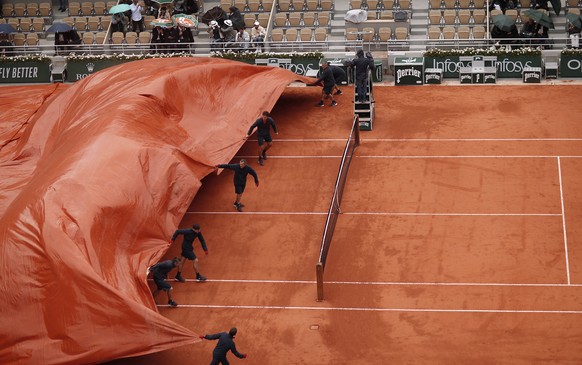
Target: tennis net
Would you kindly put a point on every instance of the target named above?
(335, 206)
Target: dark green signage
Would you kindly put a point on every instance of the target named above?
(300, 66)
(508, 66)
(25, 72)
(79, 69)
(408, 71)
(571, 66)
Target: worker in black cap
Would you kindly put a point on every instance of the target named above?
(190, 234)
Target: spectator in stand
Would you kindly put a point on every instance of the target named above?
(236, 18)
(540, 4)
(64, 5)
(160, 272)
(6, 46)
(163, 13)
(228, 34)
(185, 37)
(216, 35)
(362, 64)
(258, 34)
(328, 84)
(225, 344)
(158, 39)
(136, 18)
(243, 40)
(179, 7)
(119, 23)
(171, 39)
(528, 29)
(61, 42)
(191, 6)
(574, 35)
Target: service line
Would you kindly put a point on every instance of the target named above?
(353, 309)
(564, 221)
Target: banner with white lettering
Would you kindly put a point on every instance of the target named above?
(24, 72)
(570, 66)
(508, 66)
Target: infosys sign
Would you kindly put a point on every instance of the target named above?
(570, 66)
(507, 66)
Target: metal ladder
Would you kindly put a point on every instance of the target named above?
(366, 110)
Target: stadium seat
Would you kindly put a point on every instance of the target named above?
(7, 10)
(295, 19)
(404, 4)
(263, 19)
(369, 34)
(88, 38)
(280, 19)
(99, 8)
(384, 34)
(131, 38)
(254, 5)
(323, 19)
(309, 19)
(145, 37)
(355, 4)
(478, 32)
(320, 34)
(449, 32)
(32, 40)
(32, 9)
(464, 32)
(311, 5)
(291, 35)
(401, 33)
(277, 35)
(38, 25)
(100, 37)
(225, 5)
(267, 5)
(20, 9)
(305, 34)
(326, 5)
(284, 5)
(249, 19)
(434, 32)
(478, 16)
(450, 16)
(117, 38)
(45, 10)
(464, 16)
(94, 24)
(74, 8)
(435, 17)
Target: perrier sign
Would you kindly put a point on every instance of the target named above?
(408, 70)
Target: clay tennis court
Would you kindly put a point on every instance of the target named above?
(459, 242)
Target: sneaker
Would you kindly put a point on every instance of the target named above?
(320, 103)
(239, 207)
(264, 155)
(261, 161)
(333, 103)
(339, 92)
(171, 303)
(200, 278)
(180, 278)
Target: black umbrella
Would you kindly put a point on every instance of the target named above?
(557, 5)
(575, 20)
(539, 17)
(6, 28)
(59, 28)
(503, 22)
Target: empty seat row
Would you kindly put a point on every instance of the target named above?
(250, 18)
(88, 8)
(89, 38)
(369, 34)
(307, 19)
(131, 38)
(381, 4)
(301, 34)
(43, 9)
(247, 6)
(26, 24)
(92, 23)
(28, 39)
(452, 33)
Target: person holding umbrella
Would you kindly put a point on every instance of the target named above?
(573, 28)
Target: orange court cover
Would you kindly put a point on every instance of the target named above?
(94, 179)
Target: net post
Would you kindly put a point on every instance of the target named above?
(357, 130)
(319, 275)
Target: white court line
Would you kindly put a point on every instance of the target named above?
(564, 221)
(405, 157)
(430, 139)
(397, 214)
(352, 309)
(389, 283)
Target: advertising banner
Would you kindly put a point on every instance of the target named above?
(508, 66)
(570, 66)
(24, 72)
(79, 69)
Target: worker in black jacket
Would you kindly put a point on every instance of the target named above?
(241, 170)
(328, 84)
(190, 234)
(362, 65)
(263, 125)
(225, 344)
(160, 272)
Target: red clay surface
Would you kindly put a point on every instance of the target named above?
(460, 241)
